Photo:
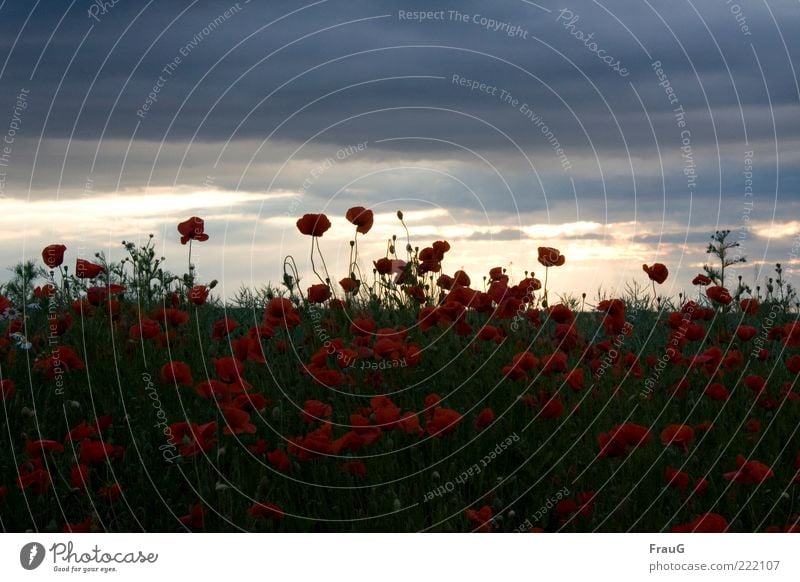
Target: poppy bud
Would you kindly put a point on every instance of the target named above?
(400, 214)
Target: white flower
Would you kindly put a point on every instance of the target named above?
(22, 341)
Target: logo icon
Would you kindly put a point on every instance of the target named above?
(31, 555)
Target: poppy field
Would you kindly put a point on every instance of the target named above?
(400, 396)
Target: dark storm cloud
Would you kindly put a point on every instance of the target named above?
(129, 47)
(335, 73)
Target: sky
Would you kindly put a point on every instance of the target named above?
(620, 132)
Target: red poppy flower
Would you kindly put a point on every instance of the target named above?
(36, 449)
(280, 460)
(314, 410)
(80, 432)
(566, 507)
(171, 317)
(701, 280)
(443, 421)
(319, 293)
(719, 294)
(700, 486)
(64, 360)
(749, 472)
(793, 364)
(32, 474)
(238, 422)
(46, 290)
(7, 389)
(266, 511)
(705, 523)
(5, 303)
(87, 270)
(95, 452)
(383, 266)
(676, 478)
(746, 332)
(361, 218)
(485, 418)
(198, 294)
(229, 369)
(621, 439)
(96, 295)
(560, 313)
(79, 476)
(192, 439)
(717, 391)
(313, 444)
(177, 372)
(755, 383)
(480, 520)
(415, 292)
(350, 285)
(195, 518)
(281, 311)
(550, 406)
(355, 468)
(657, 272)
(192, 229)
(53, 255)
(313, 224)
(575, 379)
(550, 257)
(749, 306)
(223, 327)
(146, 329)
(680, 435)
